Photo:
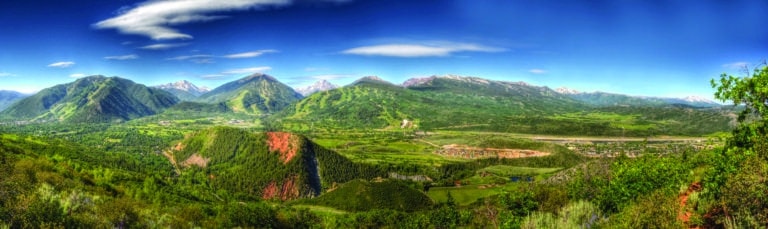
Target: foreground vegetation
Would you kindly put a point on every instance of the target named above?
(188, 169)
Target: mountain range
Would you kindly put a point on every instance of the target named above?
(92, 99)
(611, 99)
(436, 102)
(9, 97)
(185, 90)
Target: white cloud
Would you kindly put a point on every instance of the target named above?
(438, 49)
(123, 57)
(63, 64)
(537, 71)
(252, 70)
(78, 75)
(736, 65)
(5, 74)
(213, 76)
(164, 46)
(154, 18)
(201, 56)
(249, 54)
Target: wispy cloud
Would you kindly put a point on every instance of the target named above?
(537, 71)
(214, 76)
(208, 59)
(6, 74)
(237, 71)
(63, 64)
(189, 57)
(249, 54)
(164, 46)
(251, 70)
(736, 65)
(123, 57)
(436, 49)
(78, 75)
(155, 19)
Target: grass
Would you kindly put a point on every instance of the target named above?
(467, 194)
(497, 180)
(320, 210)
(506, 170)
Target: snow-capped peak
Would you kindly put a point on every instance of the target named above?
(320, 85)
(184, 85)
(567, 91)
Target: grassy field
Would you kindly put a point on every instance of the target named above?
(489, 181)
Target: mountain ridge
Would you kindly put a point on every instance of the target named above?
(184, 89)
(7, 98)
(92, 99)
(600, 98)
(257, 93)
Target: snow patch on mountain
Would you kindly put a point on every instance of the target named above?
(184, 85)
(319, 86)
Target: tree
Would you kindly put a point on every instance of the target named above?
(752, 92)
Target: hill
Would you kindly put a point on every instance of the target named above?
(92, 99)
(185, 90)
(9, 97)
(603, 99)
(257, 93)
(272, 165)
(476, 104)
(361, 195)
(439, 102)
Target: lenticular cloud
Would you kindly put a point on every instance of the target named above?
(155, 18)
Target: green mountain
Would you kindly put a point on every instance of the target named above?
(605, 99)
(9, 97)
(92, 99)
(272, 165)
(476, 104)
(434, 102)
(257, 93)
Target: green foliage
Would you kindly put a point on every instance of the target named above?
(746, 191)
(658, 209)
(361, 195)
(631, 178)
(580, 214)
(752, 92)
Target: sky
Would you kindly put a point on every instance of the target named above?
(635, 47)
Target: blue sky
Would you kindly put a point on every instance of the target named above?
(655, 48)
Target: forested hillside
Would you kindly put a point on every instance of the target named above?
(92, 99)
(475, 104)
(257, 93)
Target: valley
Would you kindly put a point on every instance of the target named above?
(440, 151)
